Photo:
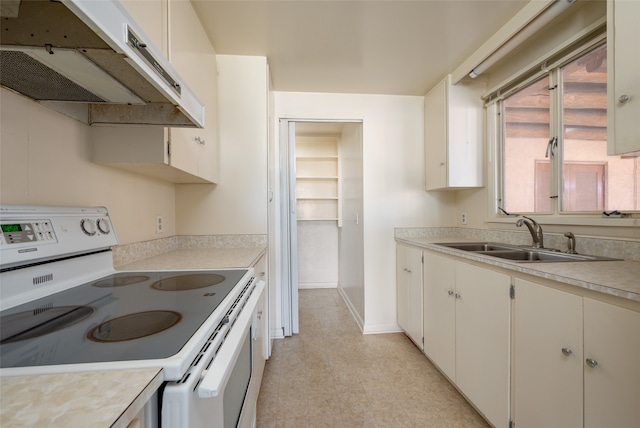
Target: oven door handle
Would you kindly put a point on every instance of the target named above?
(215, 379)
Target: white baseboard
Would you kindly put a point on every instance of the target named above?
(381, 328)
(312, 285)
(277, 333)
(352, 309)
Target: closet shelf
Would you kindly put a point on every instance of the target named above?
(316, 158)
(318, 193)
(319, 219)
(317, 198)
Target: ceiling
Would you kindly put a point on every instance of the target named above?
(372, 47)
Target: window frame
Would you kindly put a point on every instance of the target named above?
(495, 134)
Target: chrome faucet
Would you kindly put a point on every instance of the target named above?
(534, 229)
(572, 243)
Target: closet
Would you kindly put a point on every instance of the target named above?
(318, 203)
(320, 221)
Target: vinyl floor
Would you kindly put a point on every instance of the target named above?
(331, 375)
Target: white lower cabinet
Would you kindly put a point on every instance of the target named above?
(612, 386)
(547, 357)
(575, 360)
(483, 328)
(409, 291)
(467, 331)
(440, 312)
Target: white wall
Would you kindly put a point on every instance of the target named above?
(352, 230)
(237, 204)
(317, 254)
(46, 160)
(393, 170)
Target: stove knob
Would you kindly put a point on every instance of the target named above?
(88, 226)
(104, 226)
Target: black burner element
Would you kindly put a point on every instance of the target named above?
(134, 326)
(188, 282)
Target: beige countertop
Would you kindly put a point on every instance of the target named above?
(201, 258)
(96, 399)
(616, 278)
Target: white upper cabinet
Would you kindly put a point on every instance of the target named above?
(190, 52)
(178, 155)
(151, 16)
(453, 134)
(623, 62)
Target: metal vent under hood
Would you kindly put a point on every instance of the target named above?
(25, 75)
(91, 52)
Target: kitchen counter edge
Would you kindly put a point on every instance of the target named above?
(615, 278)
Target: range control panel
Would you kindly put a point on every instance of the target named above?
(19, 233)
(33, 233)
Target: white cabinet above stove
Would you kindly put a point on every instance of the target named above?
(178, 155)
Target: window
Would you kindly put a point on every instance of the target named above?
(554, 144)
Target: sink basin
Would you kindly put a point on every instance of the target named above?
(478, 246)
(519, 254)
(541, 256)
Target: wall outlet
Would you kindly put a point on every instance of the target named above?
(463, 218)
(159, 224)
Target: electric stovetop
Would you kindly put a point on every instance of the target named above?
(121, 317)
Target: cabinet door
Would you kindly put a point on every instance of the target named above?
(191, 53)
(262, 274)
(439, 312)
(612, 387)
(259, 338)
(465, 134)
(483, 316)
(548, 357)
(623, 31)
(151, 16)
(435, 138)
(409, 292)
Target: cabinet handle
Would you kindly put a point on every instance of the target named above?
(458, 296)
(566, 352)
(591, 363)
(441, 163)
(407, 270)
(450, 292)
(199, 141)
(624, 99)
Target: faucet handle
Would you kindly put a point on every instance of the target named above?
(572, 243)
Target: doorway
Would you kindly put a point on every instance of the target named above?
(321, 211)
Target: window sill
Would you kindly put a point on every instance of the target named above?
(625, 228)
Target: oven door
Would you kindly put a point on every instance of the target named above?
(213, 392)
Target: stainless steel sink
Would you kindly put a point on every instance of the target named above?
(520, 254)
(478, 246)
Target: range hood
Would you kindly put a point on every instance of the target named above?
(91, 54)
